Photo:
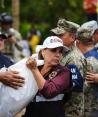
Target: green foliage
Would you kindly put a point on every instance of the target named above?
(44, 14)
(24, 28)
(5, 6)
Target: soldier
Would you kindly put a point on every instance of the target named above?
(93, 25)
(85, 37)
(13, 47)
(67, 34)
(74, 58)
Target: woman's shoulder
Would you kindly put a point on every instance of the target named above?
(62, 68)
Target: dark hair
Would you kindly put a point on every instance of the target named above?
(40, 56)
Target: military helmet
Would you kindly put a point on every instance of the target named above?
(6, 18)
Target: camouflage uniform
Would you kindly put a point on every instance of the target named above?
(74, 56)
(90, 90)
(14, 51)
(75, 106)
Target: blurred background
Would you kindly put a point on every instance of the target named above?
(42, 14)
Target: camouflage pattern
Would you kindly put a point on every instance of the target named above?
(63, 26)
(91, 91)
(14, 51)
(90, 100)
(75, 106)
(93, 25)
(84, 34)
(82, 104)
(74, 56)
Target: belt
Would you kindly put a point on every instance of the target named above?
(40, 98)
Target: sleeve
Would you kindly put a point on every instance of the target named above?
(7, 61)
(77, 78)
(56, 85)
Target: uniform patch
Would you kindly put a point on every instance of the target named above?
(52, 75)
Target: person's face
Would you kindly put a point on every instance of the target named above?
(5, 26)
(52, 56)
(1, 44)
(68, 39)
(95, 36)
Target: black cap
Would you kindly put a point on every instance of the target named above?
(6, 18)
(3, 35)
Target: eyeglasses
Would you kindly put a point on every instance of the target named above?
(54, 50)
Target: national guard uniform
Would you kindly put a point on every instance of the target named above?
(75, 60)
(90, 90)
(13, 50)
(75, 106)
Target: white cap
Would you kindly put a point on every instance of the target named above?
(50, 42)
(92, 25)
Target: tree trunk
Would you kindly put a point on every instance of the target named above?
(15, 13)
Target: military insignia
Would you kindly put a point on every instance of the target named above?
(53, 74)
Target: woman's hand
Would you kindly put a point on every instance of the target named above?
(91, 77)
(31, 64)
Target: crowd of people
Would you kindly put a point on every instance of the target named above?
(68, 80)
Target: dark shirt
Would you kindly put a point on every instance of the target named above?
(4, 61)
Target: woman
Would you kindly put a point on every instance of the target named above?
(52, 80)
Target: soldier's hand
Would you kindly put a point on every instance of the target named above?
(92, 77)
(12, 79)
